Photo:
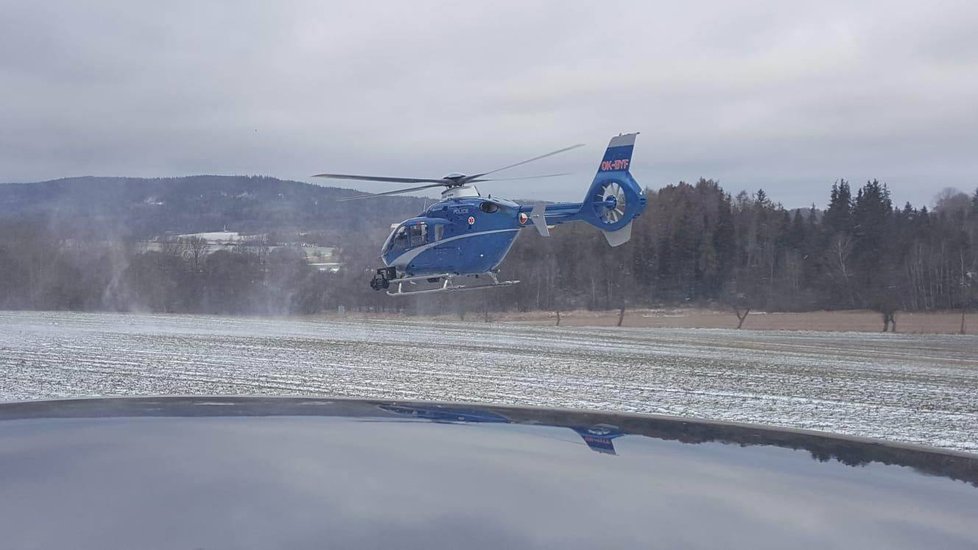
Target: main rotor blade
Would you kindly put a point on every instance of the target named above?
(552, 153)
(380, 178)
(395, 192)
(520, 178)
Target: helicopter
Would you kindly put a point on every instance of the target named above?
(459, 242)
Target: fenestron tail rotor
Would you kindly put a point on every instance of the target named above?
(612, 203)
(449, 181)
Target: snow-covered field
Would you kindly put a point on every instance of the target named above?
(911, 388)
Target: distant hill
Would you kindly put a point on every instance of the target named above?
(143, 208)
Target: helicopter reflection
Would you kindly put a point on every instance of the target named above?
(445, 414)
(599, 438)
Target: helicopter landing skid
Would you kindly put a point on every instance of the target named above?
(448, 282)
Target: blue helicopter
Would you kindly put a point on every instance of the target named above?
(459, 242)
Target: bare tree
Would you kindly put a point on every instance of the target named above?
(741, 315)
(196, 248)
(840, 252)
(173, 247)
(886, 300)
(969, 282)
(952, 202)
(740, 302)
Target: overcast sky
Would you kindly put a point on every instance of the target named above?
(774, 95)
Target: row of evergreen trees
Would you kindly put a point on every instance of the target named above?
(695, 245)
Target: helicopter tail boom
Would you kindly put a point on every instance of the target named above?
(612, 202)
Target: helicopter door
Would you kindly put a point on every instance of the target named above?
(445, 257)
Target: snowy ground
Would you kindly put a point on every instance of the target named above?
(911, 388)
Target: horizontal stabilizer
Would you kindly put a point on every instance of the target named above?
(620, 237)
(539, 218)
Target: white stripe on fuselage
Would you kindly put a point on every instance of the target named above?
(406, 258)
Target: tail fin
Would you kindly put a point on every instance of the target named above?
(618, 155)
(614, 198)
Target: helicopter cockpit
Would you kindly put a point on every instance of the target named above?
(415, 232)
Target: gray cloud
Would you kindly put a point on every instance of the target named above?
(758, 94)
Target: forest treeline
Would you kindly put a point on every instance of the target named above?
(95, 208)
(698, 245)
(695, 245)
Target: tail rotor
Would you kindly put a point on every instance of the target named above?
(613, 203)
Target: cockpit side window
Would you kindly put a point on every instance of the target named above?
(419, 234)
(439, 232)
